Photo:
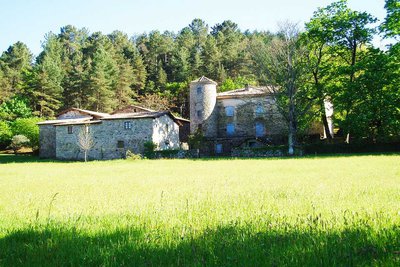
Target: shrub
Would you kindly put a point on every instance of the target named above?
(196, 139)
(132, 156)
(19, 141)
(5, 134)
(149, 148)
(29, 128)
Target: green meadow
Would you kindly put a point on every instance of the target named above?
(312, 211)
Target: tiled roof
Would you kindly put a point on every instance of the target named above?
(84, 111)
(73, 120)
(77, 122)
(136, 115)
(204, 79)
(131, 107)
(247, 91)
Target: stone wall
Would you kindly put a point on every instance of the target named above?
(165, 133)
(106, 136)
(245, 117)
(112, 140)
(203, 98)
(47, 141)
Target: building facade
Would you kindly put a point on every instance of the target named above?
(246, 117)
(112, 134)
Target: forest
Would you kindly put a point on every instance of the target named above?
(330, 58)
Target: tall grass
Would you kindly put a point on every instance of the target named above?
(295, 212)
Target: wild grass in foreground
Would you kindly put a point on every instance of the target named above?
(296, 212)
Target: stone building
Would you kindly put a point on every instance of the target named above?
(246, 117)
(113, 134)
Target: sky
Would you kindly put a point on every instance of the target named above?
(29, 20)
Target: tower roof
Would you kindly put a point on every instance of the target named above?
(204, 79)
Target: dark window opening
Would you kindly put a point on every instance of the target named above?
(70, 130)
(120, 144)
(198, 90)
(199, 113)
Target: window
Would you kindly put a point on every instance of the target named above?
(70, 130)
(259, 110)
(199, 114)
(127, 125)
(166, 128)
(120, 144)
(218, 148)
(230, 129)
(260, 129)
(229, 111)
(199, 90)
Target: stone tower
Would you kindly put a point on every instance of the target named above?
(203, 98)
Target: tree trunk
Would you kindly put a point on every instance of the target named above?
(292, 131)
(85, 156)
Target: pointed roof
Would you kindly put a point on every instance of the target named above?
(204, 79)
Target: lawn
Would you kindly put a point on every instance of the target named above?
(316, 211)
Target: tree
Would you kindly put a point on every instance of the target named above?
(5, 134)
(85, 140)
(14, 108)
(391, 24)
(286, 73)
(48, 74)
(103, 75)
(14, 63)
(29, 128)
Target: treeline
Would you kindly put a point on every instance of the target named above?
(333, 59)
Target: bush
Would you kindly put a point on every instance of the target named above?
(132, 156)
(16, 107)
(5, 134)
(19, 141)
(29, 128)
(149, 148)
(196, 139)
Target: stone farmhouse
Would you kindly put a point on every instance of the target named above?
(240, 118)
(113, 134)
(246, 117)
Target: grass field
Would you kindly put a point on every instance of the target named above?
(342, 210)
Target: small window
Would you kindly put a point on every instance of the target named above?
(260, 129)
(259, 110)
(166, 128)
(70, 130)
(199, 90)
(199, 114)
(120, 144)
(229, 111)
(218, 148)
(230, 129)
(127, 125)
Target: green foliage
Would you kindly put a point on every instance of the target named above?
(149, 148)
(196, 139)
(132, 156)
(236, 83)
(201, 212)
(5, 134)
(29, 128)
(14, 108)
(391, 24)
(18, 142)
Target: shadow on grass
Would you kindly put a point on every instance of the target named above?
(224, 246)
(27, 158)
(24, 158)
